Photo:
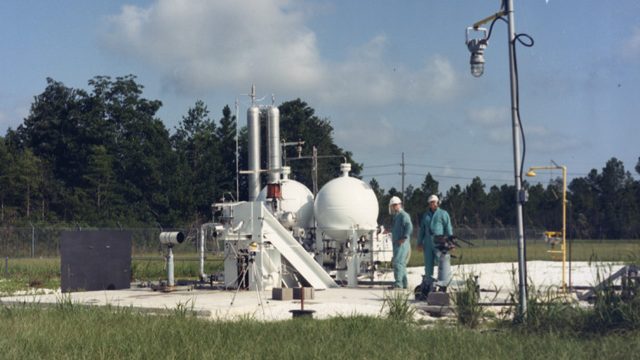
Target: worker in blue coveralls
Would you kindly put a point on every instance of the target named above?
(435, 222)
(401, 239)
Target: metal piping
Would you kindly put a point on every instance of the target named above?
(273, 144)
(253, 125)
(202, 230)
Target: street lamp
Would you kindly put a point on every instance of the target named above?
(477, 68)
(532, 173)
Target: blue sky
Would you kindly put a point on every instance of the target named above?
(392, 76)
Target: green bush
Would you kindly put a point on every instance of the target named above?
(468, 309)
(396, 303)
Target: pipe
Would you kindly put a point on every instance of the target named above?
(33, 240)
(273, 144)
(286, 170)
(202, 274)
(345, 168)
(171, 281)
(253, 125)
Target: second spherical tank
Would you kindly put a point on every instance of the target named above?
(343, 205)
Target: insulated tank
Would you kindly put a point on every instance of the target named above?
(296, 205)
(253, 126)
(344, 204)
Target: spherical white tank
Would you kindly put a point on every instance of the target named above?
(297, 199)
(346, 203)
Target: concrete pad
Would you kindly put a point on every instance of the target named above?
(363, 300)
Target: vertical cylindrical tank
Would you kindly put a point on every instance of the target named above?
(253, 126)
(273, 143)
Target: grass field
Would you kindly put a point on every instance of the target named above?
(71, 331)
(585, 250)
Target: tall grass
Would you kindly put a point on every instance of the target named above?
(469, 312)
(115, 333)
(551, 310)
(396, 305)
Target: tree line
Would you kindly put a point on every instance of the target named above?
(102, 157)
(601, 205)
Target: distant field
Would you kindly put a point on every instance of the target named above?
(21, 274)
(583, 250)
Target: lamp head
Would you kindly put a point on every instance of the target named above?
(476, 47)
(531, 173)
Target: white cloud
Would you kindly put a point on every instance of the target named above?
(491, 122)
(631, 48)
(380, 132)
(488, 116)
(203, 45)
(365, 77)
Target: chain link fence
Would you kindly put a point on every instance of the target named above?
(44, 241)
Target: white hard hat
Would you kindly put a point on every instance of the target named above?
(394, 200)
(433, 198)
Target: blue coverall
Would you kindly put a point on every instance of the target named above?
(401, 230)
(434, 223)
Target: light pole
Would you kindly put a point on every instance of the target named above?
(477, 47)
(532, 173)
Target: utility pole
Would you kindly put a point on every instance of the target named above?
(517, 167)
(477, 48)
(237, 154)
(314, 166)
(402, 174)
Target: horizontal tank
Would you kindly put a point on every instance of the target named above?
(344, 204)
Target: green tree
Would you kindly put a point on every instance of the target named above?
(583, 200)
(28, 173)
(299, 122)
(226, 138)
(53, 131)
(198, 149)
(382, 207)
(143, 162)
(454, 203)
(430, 186)
(475, 200)
(616, 199)
(6, 178)
(100, 177)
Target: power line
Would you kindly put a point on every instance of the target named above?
(435, 176)
(460, 168)
(458, 177)
(380, 166)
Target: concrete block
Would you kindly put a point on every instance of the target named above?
(282, 294)
(308, 293)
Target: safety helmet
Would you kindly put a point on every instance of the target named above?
(394, 200)
(433, 198)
